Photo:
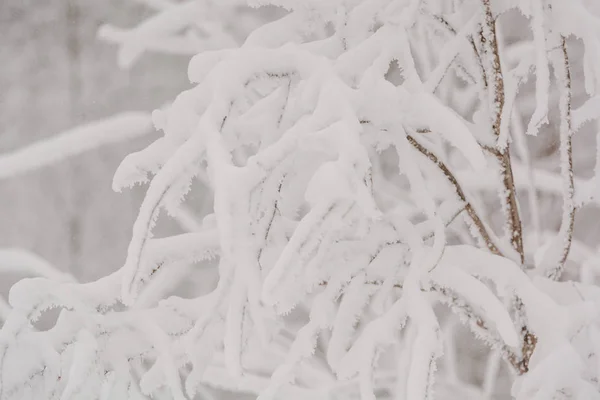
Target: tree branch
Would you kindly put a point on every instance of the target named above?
(563, 77)
(477, 221)
(508, 197)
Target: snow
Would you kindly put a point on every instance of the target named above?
(427, 109)
(477, 293)
(348, 315)
(542, 74)
(337, 146)
(75, 141)
(156, 33)
(24, 262)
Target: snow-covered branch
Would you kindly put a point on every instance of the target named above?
(349, 149)
(75, 141)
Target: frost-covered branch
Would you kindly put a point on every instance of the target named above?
(75, 141)
(480, 226)
(508, 195)
(554, 260)
(335, 150)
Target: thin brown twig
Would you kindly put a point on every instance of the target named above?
(487, 37)
(563, 78)
(477, 221)
(508, 197)
(520, 364)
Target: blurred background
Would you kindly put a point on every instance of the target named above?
(55, 74)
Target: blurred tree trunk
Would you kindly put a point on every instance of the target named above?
(75, 204)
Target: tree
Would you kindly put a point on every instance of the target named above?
(351, 149)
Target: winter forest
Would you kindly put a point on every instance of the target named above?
(300, 199)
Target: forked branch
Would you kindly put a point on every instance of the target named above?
(508, 196)
(475, 218)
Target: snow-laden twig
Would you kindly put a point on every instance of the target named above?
(75, 141)
(542, 73)
(23, 262)
(554, 260)
(163, 33)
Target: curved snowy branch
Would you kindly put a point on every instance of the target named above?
(75, 141)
